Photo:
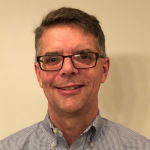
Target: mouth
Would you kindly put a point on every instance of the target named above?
(70, 87)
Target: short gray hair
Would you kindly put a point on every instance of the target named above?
(66, 15)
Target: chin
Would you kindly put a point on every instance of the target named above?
(71, 110)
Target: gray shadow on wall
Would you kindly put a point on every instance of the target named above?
(125, 96)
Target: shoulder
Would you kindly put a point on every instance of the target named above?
(18, 138)
(128, 138)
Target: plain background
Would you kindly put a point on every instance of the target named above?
(125, 96)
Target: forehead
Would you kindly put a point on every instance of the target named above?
(64, 38)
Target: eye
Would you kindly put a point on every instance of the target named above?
(49, 59)
(53, 59)
(84, 56)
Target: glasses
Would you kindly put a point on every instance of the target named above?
(79, 61)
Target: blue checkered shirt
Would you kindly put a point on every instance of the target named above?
(102, 134)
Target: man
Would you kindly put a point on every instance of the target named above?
(70, 65)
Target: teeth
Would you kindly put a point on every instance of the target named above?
(70, 88)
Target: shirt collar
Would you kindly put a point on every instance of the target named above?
(97, 125)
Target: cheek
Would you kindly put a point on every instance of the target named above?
(90, 77)
(48, 78)
(96, 77)
(96, 83)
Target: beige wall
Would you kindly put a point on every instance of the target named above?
(124, 98)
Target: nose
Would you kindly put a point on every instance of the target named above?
(68, 69)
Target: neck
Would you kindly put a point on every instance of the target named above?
(72, 125)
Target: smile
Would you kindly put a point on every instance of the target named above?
(70, 88)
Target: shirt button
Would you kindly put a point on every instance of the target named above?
(92, 144)
(52, 145)
(55, 131)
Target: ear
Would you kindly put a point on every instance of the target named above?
(105, 69)
(38, 73)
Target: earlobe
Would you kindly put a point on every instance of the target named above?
(105, 69)
(37, 71)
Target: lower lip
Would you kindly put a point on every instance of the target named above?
(70, 92)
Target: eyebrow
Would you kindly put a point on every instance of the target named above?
(52, 53)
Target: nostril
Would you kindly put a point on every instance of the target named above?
(72, 73)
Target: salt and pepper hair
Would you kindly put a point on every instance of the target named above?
(68, 16)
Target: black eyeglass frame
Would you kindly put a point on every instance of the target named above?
(70, 56)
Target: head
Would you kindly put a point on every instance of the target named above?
(65, 15)
(67, 32)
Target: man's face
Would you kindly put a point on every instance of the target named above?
(70, 89)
